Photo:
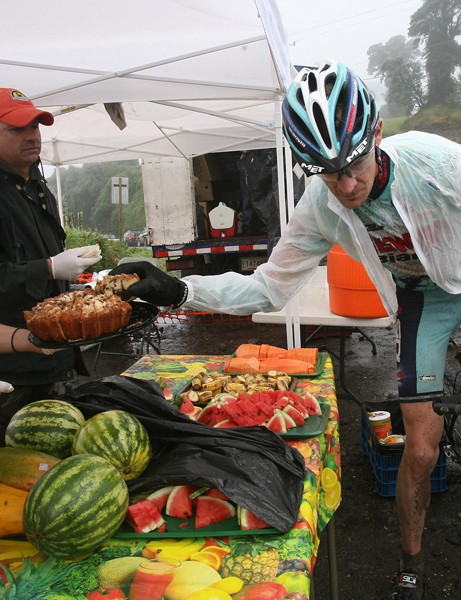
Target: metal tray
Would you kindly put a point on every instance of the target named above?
(142, 314)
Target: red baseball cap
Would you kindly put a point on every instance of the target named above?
(17, 110)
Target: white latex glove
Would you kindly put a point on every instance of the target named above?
(69, 264)
(5, 388)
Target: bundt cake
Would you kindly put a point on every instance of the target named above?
(78, 315)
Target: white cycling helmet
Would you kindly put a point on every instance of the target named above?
(329, 118)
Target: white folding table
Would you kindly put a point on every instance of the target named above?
(314, 309)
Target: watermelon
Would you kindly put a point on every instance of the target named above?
(212, 510)
(248, 521)
(179, 504)
(294, 413)
(277, 423)
(187, 407)
(75, 507)
(45, 425)
(311, 404)
(160, 496)
(144, 516)
(225, 424)
(289, 421)
(120, 438)
(214, 411)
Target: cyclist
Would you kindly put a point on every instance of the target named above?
(393, 205)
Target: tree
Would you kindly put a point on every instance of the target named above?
(399, 67)
(435, 27)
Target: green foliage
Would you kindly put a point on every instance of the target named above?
(112, 250)
(436, 119)
(87, 196)
(393, 125)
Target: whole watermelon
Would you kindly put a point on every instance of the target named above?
(45, 425)
(75, 507)
(117, 436)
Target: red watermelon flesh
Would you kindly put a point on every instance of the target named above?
(179, 504)
(235, 412)
(289, 422)
(160, 496)
(277, 423)
(311, 404)
(248, 520)
(296, 401)
(214, 411)
(294, 413)
(144, 516)
(247, 405)
(265, 408)
(214, 493)
(188, 408)
(212, 510)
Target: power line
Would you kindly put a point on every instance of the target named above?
(348, 18)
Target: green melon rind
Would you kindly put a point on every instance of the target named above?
(75, 507)
(118, 437)
(45, 425)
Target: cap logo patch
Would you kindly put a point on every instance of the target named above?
(17, 95)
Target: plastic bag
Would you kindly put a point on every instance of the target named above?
(253, 466)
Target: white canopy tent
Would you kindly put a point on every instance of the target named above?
(192, 76)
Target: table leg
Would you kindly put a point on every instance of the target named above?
(332, 562)
(348, 394)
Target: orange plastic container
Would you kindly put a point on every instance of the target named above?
(352, 293)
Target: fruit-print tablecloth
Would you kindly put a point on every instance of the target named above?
(235, 567)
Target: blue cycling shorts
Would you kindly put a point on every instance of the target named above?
(425, 323)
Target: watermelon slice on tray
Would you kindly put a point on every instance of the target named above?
(210, 510)
(248, 520)
(144, 516)
(179, 504)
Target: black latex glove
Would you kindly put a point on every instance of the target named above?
(155, 286)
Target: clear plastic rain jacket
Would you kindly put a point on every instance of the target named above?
(427, 195)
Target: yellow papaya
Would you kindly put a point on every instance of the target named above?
(21, 467)
(12, 503)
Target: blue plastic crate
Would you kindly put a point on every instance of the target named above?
(385, 461)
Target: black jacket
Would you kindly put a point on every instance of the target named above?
(30, 232)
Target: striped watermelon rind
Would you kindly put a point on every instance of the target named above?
(45, 425)
(119, 437)
(75, 507)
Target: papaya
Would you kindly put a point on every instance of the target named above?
(12, 503)
(21, 467)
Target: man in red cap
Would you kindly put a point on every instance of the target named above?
(34, 264)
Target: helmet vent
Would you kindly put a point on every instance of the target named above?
(329, 84)
(300, 97)
(312, 83)
(321, 125)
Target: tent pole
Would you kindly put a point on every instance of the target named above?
(281, 175)
(59, 189)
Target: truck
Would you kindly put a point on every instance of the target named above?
(180, 195)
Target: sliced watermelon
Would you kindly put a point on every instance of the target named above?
(289, 421)
(188, 408)
(179, 504)
(277, 423)
(294, 413)
(296, 401)
(225, 424)
(237, 414)
(144, 516)
(160, 496)
(212, 510)
(247, 405)
(248, 520)
(265, 408)
(214, 411)
(311, 404)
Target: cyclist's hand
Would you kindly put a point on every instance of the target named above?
(155, 286)
(69, 264)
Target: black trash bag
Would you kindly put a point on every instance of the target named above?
(253, 466)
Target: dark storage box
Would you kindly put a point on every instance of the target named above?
(385, 459)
